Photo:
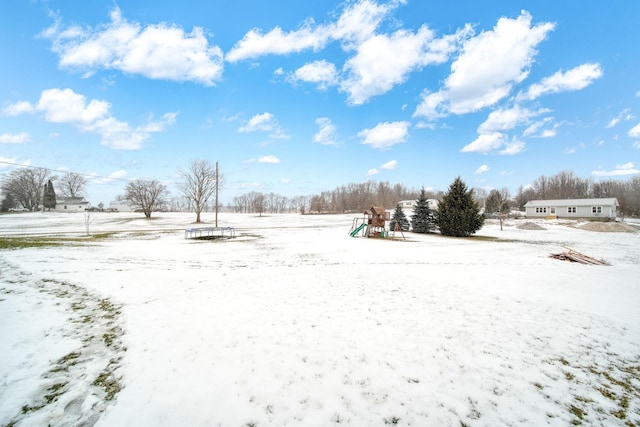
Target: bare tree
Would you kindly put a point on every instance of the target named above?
(71, 184)
(148, 195)
(25, 186)
(199, 183)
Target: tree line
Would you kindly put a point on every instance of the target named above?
(199, 182)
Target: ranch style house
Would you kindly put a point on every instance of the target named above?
(604, 209)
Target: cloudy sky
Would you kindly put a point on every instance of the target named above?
(297, 97)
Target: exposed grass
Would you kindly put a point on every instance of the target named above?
(28, 242)
(23, 242)
(107, 381)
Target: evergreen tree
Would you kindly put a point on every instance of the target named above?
(49, 198)
(423, 220)
(7, 203)
(399, 218)
(458, 214)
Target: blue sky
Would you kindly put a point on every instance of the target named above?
(297, 97)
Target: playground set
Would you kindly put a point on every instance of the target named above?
(373, 223)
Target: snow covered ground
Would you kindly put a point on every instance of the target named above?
(296, 323)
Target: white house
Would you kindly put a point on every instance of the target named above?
(71, 204)
(410, 204)
(573, 208)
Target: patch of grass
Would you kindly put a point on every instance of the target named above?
(392, 420)
(27, 408)
(28, 242)
(24, 242)
(110, 310)
(577, 412)
(55, 391)
(108, 383)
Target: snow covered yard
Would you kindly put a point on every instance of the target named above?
(296, 323)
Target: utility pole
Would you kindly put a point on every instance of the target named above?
(217, 186)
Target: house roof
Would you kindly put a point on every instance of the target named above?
(376, 210)
(71, 200)
(573, 202)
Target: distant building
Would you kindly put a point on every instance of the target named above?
(71, 204)
(410, 204)
(573, 208)
(122, 206)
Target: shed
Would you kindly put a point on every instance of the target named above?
(604, 209)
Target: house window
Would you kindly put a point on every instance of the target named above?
(571, 209)
(596, 209)
(65, 207)
(552, 211)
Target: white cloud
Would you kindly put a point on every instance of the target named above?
(157, 51)
(357, 23)
(534, 128)
(323, 73)
(372, 172)
(264, 159)
(575, 79)
(487, 69)
(277, 42)
(380, 62)
(113, 176)
(482, 169)
(14, 138)
(485, 143)
(513, 147)
(269, 159)
(65, 106)
(619, 170)
(634, 132)
(265, 122)
(18, 108)
(506, 119)
(624, 115)
(390, 165)
(384, 61)
(326, 135)
(385, 135)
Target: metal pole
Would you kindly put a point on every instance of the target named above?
(217, 185)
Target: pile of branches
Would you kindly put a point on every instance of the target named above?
(574, 256)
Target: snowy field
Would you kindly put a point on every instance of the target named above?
(296, 323)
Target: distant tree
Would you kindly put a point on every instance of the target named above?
(257, 202)
(458, 214)
(147, 195)
(496, 203)
(423, 220)
(198, 184)
(49, 197)
(71, 185)
(399, 218)
(25, 186)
